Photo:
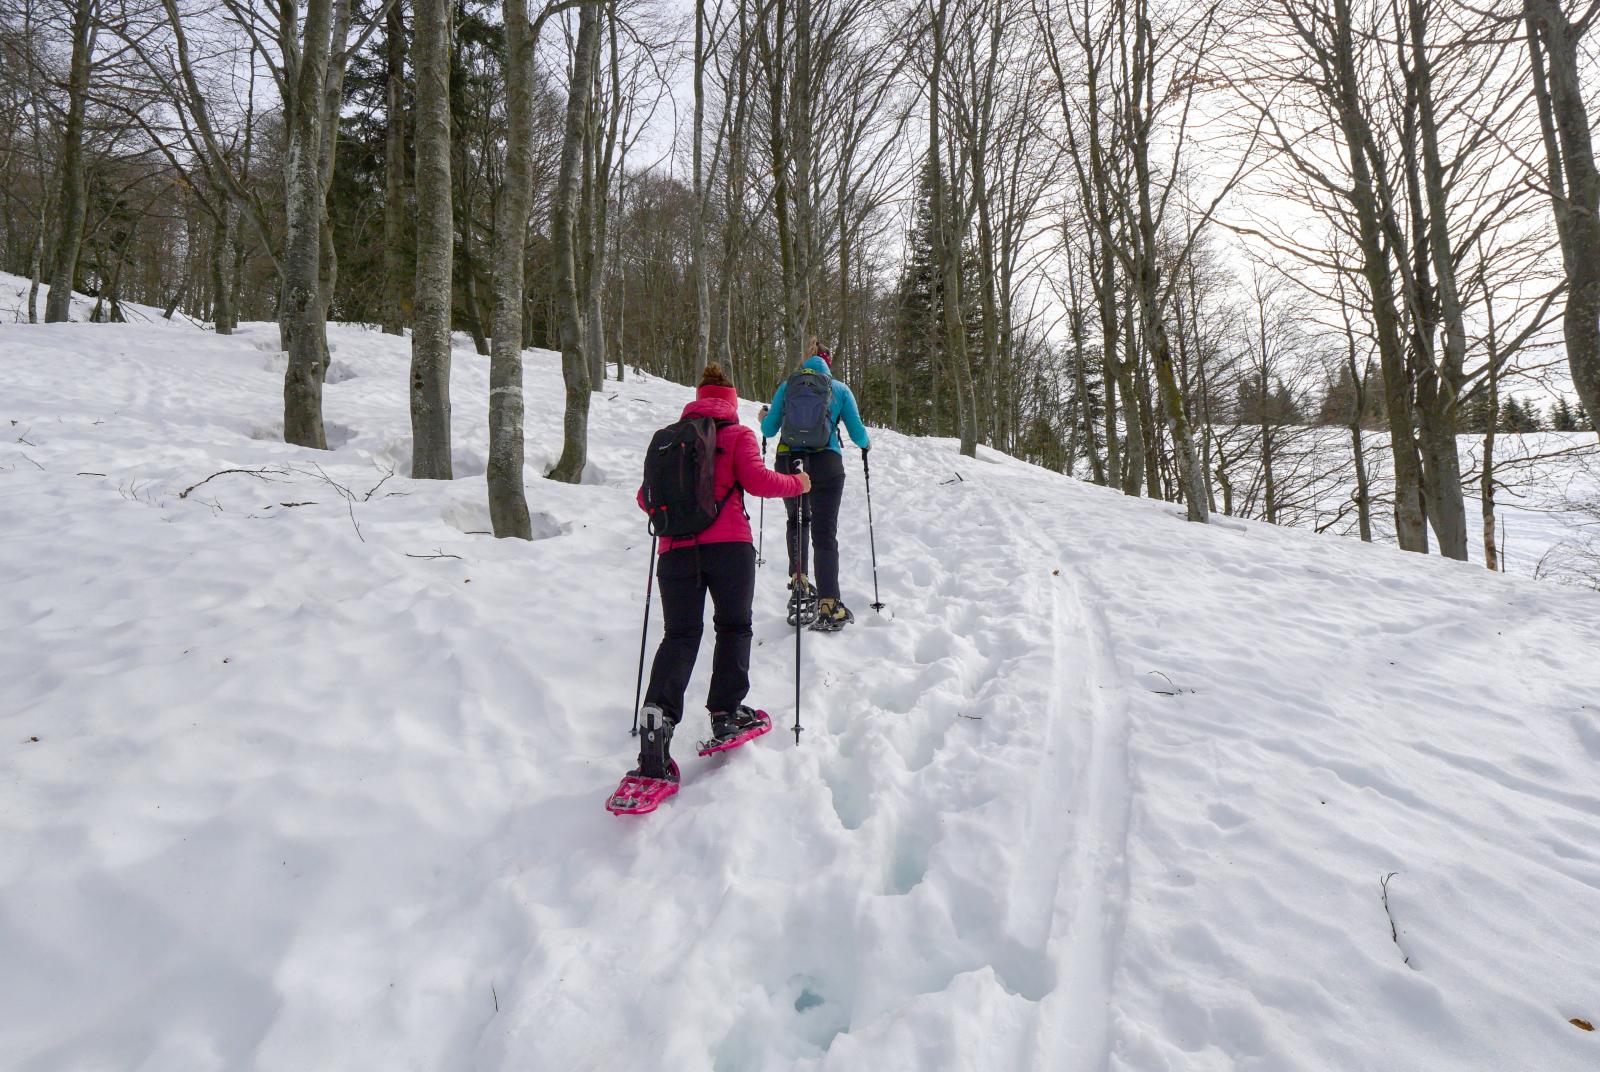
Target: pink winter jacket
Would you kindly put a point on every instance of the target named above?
(738, 462)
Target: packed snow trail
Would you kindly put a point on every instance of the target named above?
(1098, 790)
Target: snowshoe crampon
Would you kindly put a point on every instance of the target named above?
(638, 795)
(745, 725)
(802, 602)
(832, 616)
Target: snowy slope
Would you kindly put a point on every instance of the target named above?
(1100, 790)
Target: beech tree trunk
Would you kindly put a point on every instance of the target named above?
(302, 314)
(508, 504)
(564, 252)
(1411, 526)
(1558, 68)
(222, 316)
(1446, 505)
(74, 197)
(947, 254)
(430, 337)
(396, 277)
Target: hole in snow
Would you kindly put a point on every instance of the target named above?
(339, 372)
(337, 434)
(808, 999)
(472, 518)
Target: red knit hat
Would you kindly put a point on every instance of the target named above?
(822, 352)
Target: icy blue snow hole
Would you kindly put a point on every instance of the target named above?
(808, 999)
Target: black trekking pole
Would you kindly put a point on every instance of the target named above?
(872, 541)
(644, 634)
(762, 539)
(805, 544)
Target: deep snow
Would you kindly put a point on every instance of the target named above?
(1099, 790)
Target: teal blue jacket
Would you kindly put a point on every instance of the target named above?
(842, 408)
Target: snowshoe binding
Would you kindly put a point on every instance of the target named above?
(802, 600)
(732, 729)
(832, 616)
(644, 788)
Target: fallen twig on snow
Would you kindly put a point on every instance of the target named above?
(1394, 932)
(1176, 690)
(266, 473)
(36, 464)
(368, 496)
(437, 553)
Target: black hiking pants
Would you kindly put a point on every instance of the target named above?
(827, 492)
(685, 575)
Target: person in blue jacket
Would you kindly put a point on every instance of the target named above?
(827, 491)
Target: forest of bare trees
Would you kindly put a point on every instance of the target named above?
(1296, 260)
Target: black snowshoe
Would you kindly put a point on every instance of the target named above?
(832, 616)
(729, 729)
(802, 600)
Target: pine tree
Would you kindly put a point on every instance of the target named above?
(1518, 417)
(927, 397)
(1475, 415)
(917, 321)
(1562, 419)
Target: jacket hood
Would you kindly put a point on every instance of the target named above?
(718, 403)
(816, 364)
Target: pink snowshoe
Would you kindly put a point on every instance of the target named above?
(638, 795)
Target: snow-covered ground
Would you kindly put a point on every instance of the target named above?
(280, 788)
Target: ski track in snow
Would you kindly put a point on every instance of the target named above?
(1099, 790)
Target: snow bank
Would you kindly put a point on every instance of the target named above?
(300, 769)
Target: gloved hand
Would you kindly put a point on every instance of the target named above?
(763, 414)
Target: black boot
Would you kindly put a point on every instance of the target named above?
(729, 724)
(729, 729)
(655, 742)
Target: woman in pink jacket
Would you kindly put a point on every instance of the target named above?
(721, 560)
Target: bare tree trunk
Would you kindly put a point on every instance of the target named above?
(702, 204)
(471, 308)
(332, 100)
(430, 337)
(1447, 511)
(222, 317)
(1136, 447)
(508, 504)
(1097, 465)
(302, 315)
(1411, 524)
(1491, 553)
(597, 220)
(36, 262)
(396, 277)
(947, 252)
(74, 197)
(1358, 453)
(733, 221)
(1558, 69)
(804, 218)
(1190, 471)
(564, 252)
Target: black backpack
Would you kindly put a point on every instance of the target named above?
(680, 473)
(807, 400)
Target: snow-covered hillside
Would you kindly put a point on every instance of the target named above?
(300, 769)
